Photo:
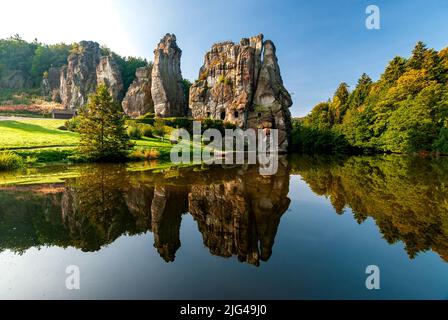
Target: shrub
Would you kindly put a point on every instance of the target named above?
(159, 128)
(185, 123)
(151, 154)
(45, 155)
(146, 130)
(216, 124)
(228, 125)
(134, 133)
(72, 124)
(10, 160)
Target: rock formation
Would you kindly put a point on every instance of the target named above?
(138, 99)
(166, 87)
(78, 78)
(271, 101)
(227, 81)
(51, 84)
(85, 70)
(14, 79)
(108, 73)
(238, 86)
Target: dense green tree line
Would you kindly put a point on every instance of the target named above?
(405, 111)
(33, 59)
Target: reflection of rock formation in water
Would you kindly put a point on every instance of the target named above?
(237, 210)
(166, 211)
(139, 198)
(269, 202)
(240, 217)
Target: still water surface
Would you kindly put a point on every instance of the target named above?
(309, 232)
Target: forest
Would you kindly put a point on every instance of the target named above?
(31, 60)
(405, 111)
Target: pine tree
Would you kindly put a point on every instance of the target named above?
(339, 103)
(394, 70)
(418, 56)
(102, 129)
(361, 92)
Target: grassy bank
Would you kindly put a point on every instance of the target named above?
(41, 142)
(39, 133)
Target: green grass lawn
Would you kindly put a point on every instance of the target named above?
(39, 133)
(41, 140)
(47, 151)
(44, 133)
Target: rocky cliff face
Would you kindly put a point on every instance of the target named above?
(51, 84)
(227, 81)
(166, 87)
(138, 100)
(108, 73)
(272, 101)
(241, 83)
(85, 70)
(78, 78)
(14, 79)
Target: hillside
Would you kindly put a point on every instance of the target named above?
(25, 67)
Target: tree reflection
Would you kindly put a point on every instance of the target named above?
(406, 196)
(237, 210)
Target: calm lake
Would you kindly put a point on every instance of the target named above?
(308, 232)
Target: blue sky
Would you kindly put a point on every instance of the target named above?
(319, 43)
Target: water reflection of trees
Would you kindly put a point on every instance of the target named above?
(407, 197)
(237, 211)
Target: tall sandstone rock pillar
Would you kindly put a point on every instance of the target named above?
(242, 84)
(272, 101)
(78, 78)
(138, 100)
(86, 69)
(167, 88)
(108, 73)
(227, 81)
